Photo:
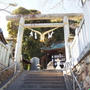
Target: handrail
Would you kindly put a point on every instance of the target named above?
(73, 75)
(78, 31)
(3, 45)
(81, 24)
(1, 65)
(76, 80)
(73, 43)
(8, 67)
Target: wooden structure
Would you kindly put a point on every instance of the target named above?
(53, 52)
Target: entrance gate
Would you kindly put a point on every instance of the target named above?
(22, 25)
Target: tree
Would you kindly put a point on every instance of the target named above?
(21, 10)
(12, 28)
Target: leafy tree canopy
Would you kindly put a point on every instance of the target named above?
(24, 11)
(21, 10)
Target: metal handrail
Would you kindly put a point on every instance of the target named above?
(81, 24)
(74, 77)
(8, 67)
(3, 45)
(76, 80)
(2, 66)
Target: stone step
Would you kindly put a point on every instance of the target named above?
(37, 89)
(60, 88)
(33, 77)
(42, 76)
(45, 74)
(43, 86)
(43, 82)
(43, 79)
(49, 75)
(46, 71)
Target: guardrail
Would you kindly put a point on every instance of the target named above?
(80, 42)
(5, 51)
(68, 66)
(13, 65)
(7, 73)
(2, 66)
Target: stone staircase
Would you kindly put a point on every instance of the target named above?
(39, 80)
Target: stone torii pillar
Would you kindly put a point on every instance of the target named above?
(18, 48)
(66, 35)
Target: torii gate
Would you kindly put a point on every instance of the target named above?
(22, 18)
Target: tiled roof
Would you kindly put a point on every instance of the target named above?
(54, 46)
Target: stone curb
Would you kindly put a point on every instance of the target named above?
(10, 81)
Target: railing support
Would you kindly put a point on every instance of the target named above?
(75, 81)
(73, 84)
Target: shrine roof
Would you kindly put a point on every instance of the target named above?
(54, 46)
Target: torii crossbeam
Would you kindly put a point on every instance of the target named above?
(42, 16)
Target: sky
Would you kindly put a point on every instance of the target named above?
(45, 6)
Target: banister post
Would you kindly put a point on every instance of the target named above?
(8, 54)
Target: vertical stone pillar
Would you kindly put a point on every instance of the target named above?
(66, 35)
(18, 49)
(8, 54)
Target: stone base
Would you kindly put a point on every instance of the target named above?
(6, 75)
(82, 72)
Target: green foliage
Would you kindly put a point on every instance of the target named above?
(33, 12)
(12, 29)
(31, 47)
(21, 10)
(58, 36)
(24, 11)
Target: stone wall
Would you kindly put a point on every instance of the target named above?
(5, 76)
(82, 72)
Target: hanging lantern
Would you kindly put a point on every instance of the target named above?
(35, 35)
(31, 34)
